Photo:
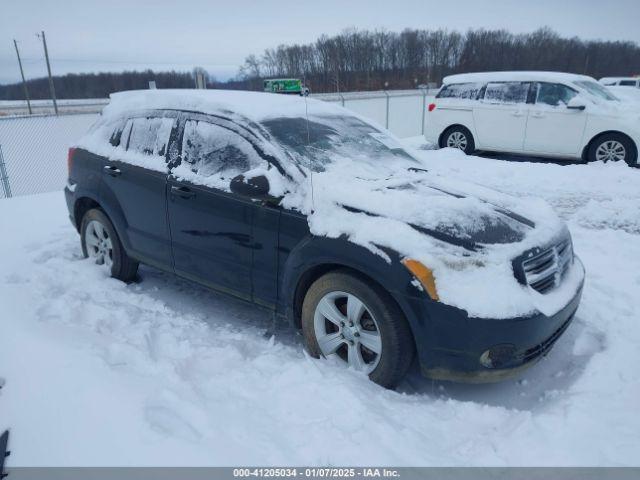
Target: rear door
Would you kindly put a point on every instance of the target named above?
(212, 229)
(553, 128)
(500, 117)
(134, 186)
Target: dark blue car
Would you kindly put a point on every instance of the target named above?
(313, 213)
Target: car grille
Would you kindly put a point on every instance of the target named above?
(544, 270)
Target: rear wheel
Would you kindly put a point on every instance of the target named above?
(458, 137)
(613, 147)
(101, 243)
(345, 317)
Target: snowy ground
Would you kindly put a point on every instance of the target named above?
(164, 372)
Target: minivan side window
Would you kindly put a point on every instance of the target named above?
(216, 152)
(627, 83)
(507, 92)
(460, 90)
(554, 94)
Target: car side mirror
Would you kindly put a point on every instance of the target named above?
(576, 103)
(254, 187)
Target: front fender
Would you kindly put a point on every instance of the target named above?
(317, 255)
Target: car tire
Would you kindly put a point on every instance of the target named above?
(378, 322)
(100, 241)
(458, 137)
(613, 147)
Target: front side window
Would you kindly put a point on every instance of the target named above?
(460, 90)
(628, 83)
(214, 152)
(554, 94)
(507, 92)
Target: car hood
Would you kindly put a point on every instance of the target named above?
(482, 223)
(416, 203)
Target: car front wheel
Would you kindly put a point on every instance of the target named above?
(613, 147)
(344, 316)
(100, 242)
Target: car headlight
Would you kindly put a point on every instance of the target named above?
(424, 275)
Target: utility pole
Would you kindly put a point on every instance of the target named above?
(51, 88)
(24, 82)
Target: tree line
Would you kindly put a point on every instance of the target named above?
(373, 60)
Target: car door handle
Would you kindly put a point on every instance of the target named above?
(183, 192)
(537, 115)
(111, 170)
(518, 114)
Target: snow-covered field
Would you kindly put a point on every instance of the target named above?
(165, 372)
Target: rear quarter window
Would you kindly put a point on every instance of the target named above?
(467, 91)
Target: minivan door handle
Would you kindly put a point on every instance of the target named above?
(518, 113)
(111, 170)
(183, 192)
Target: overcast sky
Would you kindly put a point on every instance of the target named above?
(113, 35)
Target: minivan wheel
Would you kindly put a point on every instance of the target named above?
(345, 317)
(458, 137)
(101, 243)
(613, 147)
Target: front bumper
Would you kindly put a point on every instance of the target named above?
(453, 346)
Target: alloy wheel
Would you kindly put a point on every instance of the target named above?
(457, 140)
(345, 327)
(98, 243)
(611, 151)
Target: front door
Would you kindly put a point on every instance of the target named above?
(500, 117)
(553, 128)
(211, 228)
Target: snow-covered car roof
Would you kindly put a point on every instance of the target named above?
(252, 105)
(514, 77)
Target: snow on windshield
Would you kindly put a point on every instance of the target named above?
(320, 140)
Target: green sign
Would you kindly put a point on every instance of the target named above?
(283, 85)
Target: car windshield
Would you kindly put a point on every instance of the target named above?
(596, 89)
(325, 139)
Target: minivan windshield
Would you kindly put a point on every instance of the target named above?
(596, 89)
(325, 139)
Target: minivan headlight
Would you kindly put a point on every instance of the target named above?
(424, 275)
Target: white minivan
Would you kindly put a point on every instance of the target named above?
(534, 113)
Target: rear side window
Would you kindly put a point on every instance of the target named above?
(507, 92)
(628, 83)
(215, 154)
(554, 94)
(468, 91)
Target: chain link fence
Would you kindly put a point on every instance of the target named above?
(33, 156)
(33, 149)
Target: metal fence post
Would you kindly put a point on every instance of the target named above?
(4, 178)
(424, 109)
(387, 117)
